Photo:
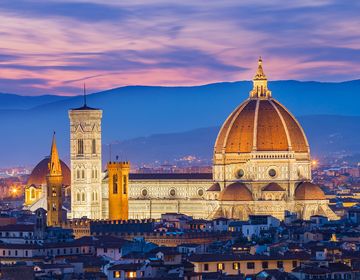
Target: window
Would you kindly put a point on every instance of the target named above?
(53, 192)
(93, 146)
(78, 174)
(83, 197)
(221, 266)
(78, 196)
(124, 184)
(240, 173)
(105, 250)
(250, 265)
(83, 174)
(54, 207)
(294, 263)
(206, 267)
(272, 173)
(144, 192)
(172, 192)
(236, 266)
(117, 274)
(96, 196)
(80, 147)
(265, 265)
(280, 264)
(115, 184)
(26, 253)
(32, 193)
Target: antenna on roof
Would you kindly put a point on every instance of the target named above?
(84, 95)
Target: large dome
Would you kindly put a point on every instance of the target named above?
(41, 170)
(261, 125)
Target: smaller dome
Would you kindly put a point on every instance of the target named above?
(309, 191)
(41, 170)
(236, 192)
(273, 187)
(214, 188)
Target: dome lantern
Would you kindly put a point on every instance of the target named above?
(260, 89)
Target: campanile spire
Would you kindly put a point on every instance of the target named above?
(54, 181)
(54, 163)
(260, 89)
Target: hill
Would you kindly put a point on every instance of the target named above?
(139, 111)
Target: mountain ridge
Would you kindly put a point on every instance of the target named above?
(135, 111)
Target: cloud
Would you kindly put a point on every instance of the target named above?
(25, 85)
(112, 43)
(82, 11)
(129, 60)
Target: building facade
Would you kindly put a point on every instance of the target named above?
(118, 194)
(261, 166)
(85, 162)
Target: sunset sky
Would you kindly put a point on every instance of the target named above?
(54, 46)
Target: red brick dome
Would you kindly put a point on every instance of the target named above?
(236, 192)
(41, 170)
(309, 191)
(261, 125)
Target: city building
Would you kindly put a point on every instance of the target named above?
(261, 166)
(85, 162)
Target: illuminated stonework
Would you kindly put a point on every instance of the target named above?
(262, 146)
(261, 165)
(85, 157)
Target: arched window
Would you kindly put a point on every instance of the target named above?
(32, 193)
(80, 147)
(78, 196)
(83, 174)
(124, 184)
(96, 196)
(78, 174)
(93, 146)
(115, 184)
(93, 196)
(83, 196)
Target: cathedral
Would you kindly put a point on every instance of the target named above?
(261, 165)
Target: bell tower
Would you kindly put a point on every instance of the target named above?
(54, 188)
(118, 190)
(85, 157)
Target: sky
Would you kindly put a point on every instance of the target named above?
(54, 46)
